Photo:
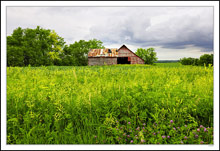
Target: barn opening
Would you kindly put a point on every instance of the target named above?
(123, 60)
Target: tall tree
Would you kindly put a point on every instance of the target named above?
(77, 53)
(206, 59)
(33, 47)
(149, 55)
(15, 52)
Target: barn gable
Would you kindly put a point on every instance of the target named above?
(123, 47)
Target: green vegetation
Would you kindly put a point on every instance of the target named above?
(206, 59)
(119, 104)
(33, 47)
(37, 47)
(77, 54)
(149, 55)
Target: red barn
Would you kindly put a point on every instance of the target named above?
(106, 56)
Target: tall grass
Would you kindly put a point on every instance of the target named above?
(118, 104)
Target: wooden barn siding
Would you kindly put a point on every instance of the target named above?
(124, 52)
(101, 61)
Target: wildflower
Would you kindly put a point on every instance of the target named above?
(119, 138)
(117, 129)
(178, 127)
(136, 135)
(171, 121)
(185, 137)
(163, 136)
(201, 142)
(158, 132)
(128, 135)
(198, 130)
(142, 127)
(196, 136)
(116, 121)
(185, 125)
(132, 141)
(181, 142)
(205, 130)
(142, 140)
(129, 122)
(154, 133)
(201, 126)
(126, 140)
(168, 136)
(137, 128)
(95, 136)
(174, 128)
(124, 134)
(144, 124)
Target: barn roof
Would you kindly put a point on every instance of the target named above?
(106, 52)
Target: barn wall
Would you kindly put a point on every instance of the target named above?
(101, 61)
(124, 52)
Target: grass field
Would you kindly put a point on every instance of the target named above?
(166, 103)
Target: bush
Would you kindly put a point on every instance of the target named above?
(187, 61)
(205, 59)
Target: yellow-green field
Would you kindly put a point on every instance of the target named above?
(121, 104)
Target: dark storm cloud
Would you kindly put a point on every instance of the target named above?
(191, 27)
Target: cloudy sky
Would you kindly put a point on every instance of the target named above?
(174, 32)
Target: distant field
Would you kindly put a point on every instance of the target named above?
(172, 64)
(166, 103)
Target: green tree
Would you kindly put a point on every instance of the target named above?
(188, 61)
(206, 59)
(149, 55)
(196, 62)
(15, 47)
(33, 47)
(77, 53)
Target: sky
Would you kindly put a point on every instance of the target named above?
(174, 32)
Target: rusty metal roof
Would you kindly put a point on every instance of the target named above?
(106, 52)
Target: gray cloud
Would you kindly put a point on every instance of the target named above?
(174, 28)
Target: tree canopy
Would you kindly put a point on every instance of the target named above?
(40, 46)
(149, 55)
(77, 53)
(205, 59)
(33, 47)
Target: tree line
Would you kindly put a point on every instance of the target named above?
(205, 59)
(37, 47)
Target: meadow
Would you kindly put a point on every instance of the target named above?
(166, 103)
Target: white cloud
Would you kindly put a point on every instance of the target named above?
(181, 30)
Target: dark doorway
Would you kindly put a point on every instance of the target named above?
(123, 60)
